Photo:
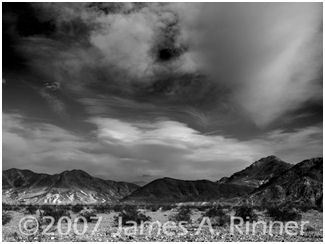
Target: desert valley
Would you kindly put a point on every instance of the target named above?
(269, 189)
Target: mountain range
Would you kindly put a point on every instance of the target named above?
(75, 186)
(267, 180)
(174, 190)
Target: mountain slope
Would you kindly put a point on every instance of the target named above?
(303, 184)
(258, 173)
(75, 186)
(174, 190)
(239, 184)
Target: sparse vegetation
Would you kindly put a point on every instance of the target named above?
(55, 211)
(101, 208)
(283, 213)
(118, 208)
(162, 207)
(6, 207)
(309, 228)
(203, 208)
(11, 207)
(77, 208)
(183, 214)
(167, 207)
(130, 213)
(217, 216)
(88, 214)
(246, 212)
(6, 217)
(153, 207)
(31, 209)
(135, 213)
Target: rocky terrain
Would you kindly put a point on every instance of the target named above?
(301, 184)
(258, 172)
(75, 186)
(268, 180)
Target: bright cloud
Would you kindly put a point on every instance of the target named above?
(130, 150)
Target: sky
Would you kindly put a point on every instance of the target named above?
(138, 91)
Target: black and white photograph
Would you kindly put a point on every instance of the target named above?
(162, 122)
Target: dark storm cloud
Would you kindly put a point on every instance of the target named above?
(133, 54)
(251, 55)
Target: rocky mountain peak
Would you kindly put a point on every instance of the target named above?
(258, 172)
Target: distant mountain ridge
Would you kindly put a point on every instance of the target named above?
(268, 180)
(174, 190)
(75, 186)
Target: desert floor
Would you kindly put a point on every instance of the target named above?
(108, 231)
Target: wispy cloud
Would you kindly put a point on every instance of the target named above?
(55, 103)
(161, 148)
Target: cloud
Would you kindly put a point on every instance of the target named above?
(178, 147)
(123, 150)
(124, 44)
(56, 104)
(297, 144)
(41, 146)
(269, 54)
(261, 58)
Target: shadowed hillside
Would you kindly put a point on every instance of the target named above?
(301, 184)
(173, 190)
(258, 173)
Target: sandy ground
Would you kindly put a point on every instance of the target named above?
(108, 231)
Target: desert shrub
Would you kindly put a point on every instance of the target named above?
(63, 207)
(309, 228)
(11, 207)
(167, 207)
(12, 237)
(305, 207)
(246, 212)
(117, 208)
(162, 207)
(54, 211)
(301, 206)
(214, 211)
(31, 209)
(153, 207)
(77, 208)
(130, 213)
(183, 214)
(319, 203)
(203, 208)
(6, 207)
(217, 216)
(227, 206)
(89, 215)
(6, 217)
(283, 213)
(101, 208)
